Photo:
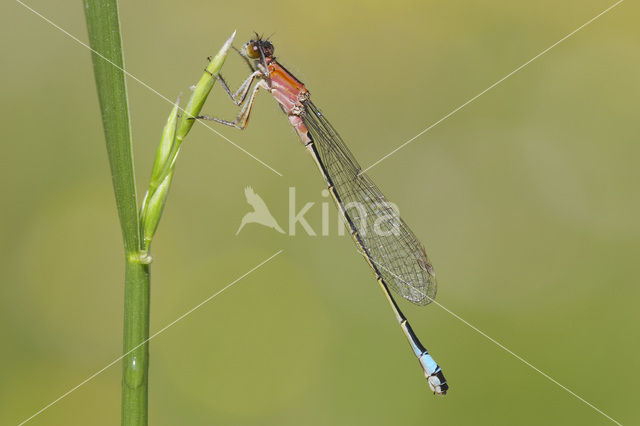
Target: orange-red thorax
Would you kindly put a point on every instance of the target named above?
(288, 90)
(290, 93)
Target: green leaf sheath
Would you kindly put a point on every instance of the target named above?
(156, 196)
(202, 90)
(172, 137)
(108, 63)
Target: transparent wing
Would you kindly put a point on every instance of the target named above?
(400, 258)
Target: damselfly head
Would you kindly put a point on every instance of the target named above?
(438, 383)
(258, 49)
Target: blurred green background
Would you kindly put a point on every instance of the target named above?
(527, 201)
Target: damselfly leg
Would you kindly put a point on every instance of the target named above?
(242, 119)
(239, 95)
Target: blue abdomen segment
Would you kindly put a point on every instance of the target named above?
(428, 364)
(430, 367)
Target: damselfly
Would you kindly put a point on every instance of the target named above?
(391, 249)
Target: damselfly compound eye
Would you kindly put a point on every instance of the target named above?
(252, 49)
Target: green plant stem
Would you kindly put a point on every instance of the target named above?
(135, 371)
(108, 64)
